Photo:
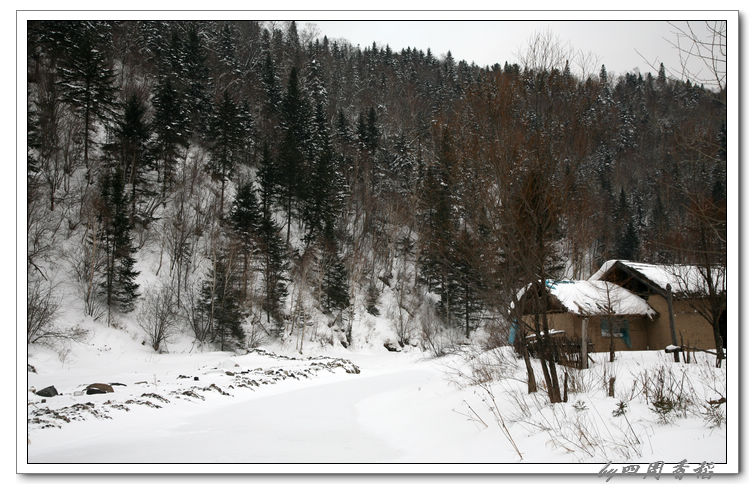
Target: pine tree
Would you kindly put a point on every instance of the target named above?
(436, 256)
(219, 299)
(271, 84)
(324, 187)
(718, 189)
(343, 128)
(335, 290)
(170, 126)
(133, 133)
(173, 58)
(196, 85)
(662, 75)
(369, 131)
(273, 264)
(267, 176)
(245, 222)
(621, 219)
(628, 242)
(403, 166)
(467, 282)
(293, 48)
(44, 148)
(226, 47)
(246, 120)
(87, 77)
(294, 117)
(658, 228)
(226, 134)
(119, 282)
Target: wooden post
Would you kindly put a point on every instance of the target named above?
(671, 320)
(585, 365)
(566, 394)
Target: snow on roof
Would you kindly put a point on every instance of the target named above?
(593, 297)
(682, 278)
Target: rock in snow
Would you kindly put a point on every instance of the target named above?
(99, 388)
(48, 392)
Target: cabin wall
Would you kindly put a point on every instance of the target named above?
(638, 334)
(690, 325)
(572, 325)
(563, 321)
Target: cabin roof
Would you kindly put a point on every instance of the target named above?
(595, 297)
(685, 280)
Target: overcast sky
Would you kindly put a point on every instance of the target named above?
(614, 43)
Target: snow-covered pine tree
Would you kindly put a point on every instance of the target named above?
(335, 289)
(267, 177)
(467, 281)
(219, 300)
(170, 130)
(226, 143)
(196, 81)
(273, 263)
(271, 84)
(245, 223)
(119, 284)
(291, 156)
(87, 77)
(132, 135)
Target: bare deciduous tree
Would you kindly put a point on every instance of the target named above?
(193, 314)
(609, 306)
(157, 315)
(704, 43)
(41, 310)
(545, 51)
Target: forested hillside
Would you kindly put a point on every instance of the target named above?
(241, 181)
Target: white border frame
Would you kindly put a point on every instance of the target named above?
(733, 172)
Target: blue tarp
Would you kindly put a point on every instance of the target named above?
(512, 332)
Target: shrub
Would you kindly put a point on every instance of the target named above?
(580, 406)
(714, 414)
(621, 409)
(663, 408)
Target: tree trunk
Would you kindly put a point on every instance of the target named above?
(466, 309)
(531, 384)
(133, 190)
(550, 355)
(288, 218)
(672, 326)
(585, 363)
(222, 196)
(611, 344)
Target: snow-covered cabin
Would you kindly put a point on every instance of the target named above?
(602, 305)
(688, 287)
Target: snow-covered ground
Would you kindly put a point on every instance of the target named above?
(266, 407)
